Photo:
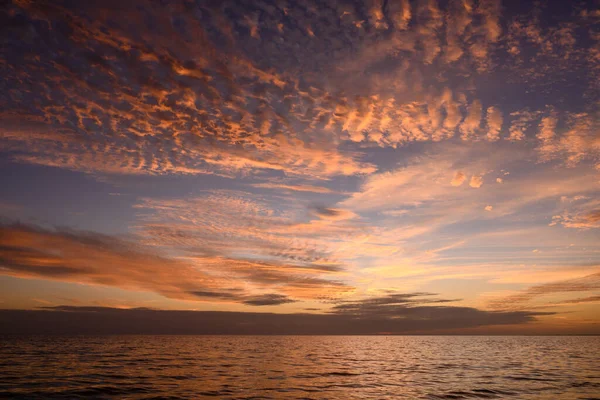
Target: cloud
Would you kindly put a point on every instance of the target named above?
(388, 306)
(585, 220)
(294, 188)
(579, 211)
(229, 223)
(395, 213)
(322, 238)
(580, 300)
(546, 136)
(410, 307)
(334, 214)
(525, 298)
(494, 123)
(421, 180)
(400, 251)
(489, 208)
(476, 181)
(268, 300)
(592, 218)
(521, 122)
(221, 110)
(398, 103)
(91, 258)
(394, 318)
(202, 117)
(237, 104)
(472, 121)
(458, 179)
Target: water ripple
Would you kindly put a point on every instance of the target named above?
(299, 367)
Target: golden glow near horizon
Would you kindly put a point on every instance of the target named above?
(364, 158)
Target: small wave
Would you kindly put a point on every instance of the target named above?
(212, 393)
(339, 373)
(494, 392)
(473, 394)
(84, 393)
(531, 378)
(585, 384)
(219, 370)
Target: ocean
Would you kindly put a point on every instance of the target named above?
(300, 367)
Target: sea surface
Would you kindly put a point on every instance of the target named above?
(300, 367)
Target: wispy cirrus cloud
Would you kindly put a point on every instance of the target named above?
(527, 298)
(294, 188)
(229, 222)
(90, 258)
(582, 300)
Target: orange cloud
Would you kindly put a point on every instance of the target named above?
(218, 109)
(294, 188)
(458, 179)
(89, 258)
(525, 298)
(476, 181)
(472, 121)
(494, 123)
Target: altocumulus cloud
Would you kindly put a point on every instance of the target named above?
(232, 97)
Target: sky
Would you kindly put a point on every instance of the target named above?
(365, 166)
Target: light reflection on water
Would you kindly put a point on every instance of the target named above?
(300, 367)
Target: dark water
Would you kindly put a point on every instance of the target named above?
(300, 367)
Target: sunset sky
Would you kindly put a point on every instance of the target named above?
(407, 160)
